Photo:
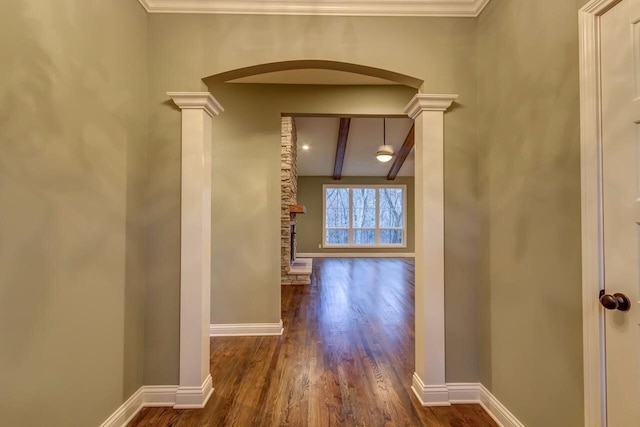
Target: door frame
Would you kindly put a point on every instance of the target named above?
(594, 356)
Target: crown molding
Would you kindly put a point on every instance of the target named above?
(197, 100)
(435, 8)
(425, 102)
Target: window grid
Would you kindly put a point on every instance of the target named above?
(377, 230)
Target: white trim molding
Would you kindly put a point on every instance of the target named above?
(125, 413)
(435, 8)
(497, 410)
(425, 102)
(159, 396)
(188, 397)
(145, 397)
(592, 233)
(464, 394)
(357, 255)
(246, 329)
(457, 393)
(197, 101)
(430, 395)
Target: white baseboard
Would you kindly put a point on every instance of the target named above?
(464, 393)
(430, 395)
(497, 410)
(197, 397)
(158, 396)
(126, 411)
(194, 397)
(356, 255)
(246, 329)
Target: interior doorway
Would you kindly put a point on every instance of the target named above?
(428, 113)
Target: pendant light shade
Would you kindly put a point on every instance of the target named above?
(385, 152)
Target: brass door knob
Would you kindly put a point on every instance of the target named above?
(615, 302)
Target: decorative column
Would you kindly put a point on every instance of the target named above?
(429, 383)
(198, 109)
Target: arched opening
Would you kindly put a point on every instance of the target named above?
(427, 111)
(311, 68)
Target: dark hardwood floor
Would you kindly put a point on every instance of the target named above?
(345, 359)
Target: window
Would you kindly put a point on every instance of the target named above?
(356, 216)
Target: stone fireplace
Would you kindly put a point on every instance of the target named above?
(293, 271)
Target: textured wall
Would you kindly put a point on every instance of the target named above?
(310, 225)
(72, 180)
(531, 335)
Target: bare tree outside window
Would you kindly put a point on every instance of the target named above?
(337, 216)
(366, 216)
(391, 215)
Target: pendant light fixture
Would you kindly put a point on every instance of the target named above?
(385, 152)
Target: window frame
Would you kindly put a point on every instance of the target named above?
(351, 229)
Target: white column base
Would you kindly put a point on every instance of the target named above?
(194, 397)
(430, 395)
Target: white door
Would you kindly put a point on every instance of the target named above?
(620, 65)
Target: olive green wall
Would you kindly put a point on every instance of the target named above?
(72, 181)
(309, 225)
(531, 334)
(184, 49)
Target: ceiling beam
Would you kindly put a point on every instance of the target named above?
(402, 154)
(343, 135)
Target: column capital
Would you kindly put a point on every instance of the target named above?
(428, 102)
(197, 100)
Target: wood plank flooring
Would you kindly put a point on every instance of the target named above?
(345, 359)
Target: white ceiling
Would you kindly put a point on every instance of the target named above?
(312, 76)
(442, 8)
(365, 135)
